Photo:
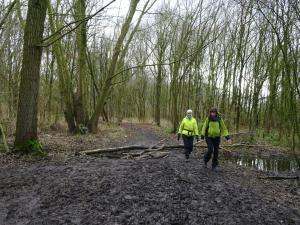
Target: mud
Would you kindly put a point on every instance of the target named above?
(90, 190)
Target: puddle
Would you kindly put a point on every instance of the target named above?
(267, 165)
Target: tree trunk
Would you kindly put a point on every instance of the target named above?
(159, 80)
(63, 76)
(81, 43)
(26, 128)
(93, 122)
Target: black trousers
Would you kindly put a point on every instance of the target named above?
(213, 148)
(188, 145)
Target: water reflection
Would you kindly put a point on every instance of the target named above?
(269, 165)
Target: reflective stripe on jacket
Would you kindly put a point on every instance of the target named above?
(188, 127)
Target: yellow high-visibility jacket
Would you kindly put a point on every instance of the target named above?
(215, 128)
(188, 127)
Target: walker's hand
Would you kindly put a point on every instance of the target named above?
(178, 137)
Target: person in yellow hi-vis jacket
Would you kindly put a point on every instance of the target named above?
(188, 130)
(212, 130)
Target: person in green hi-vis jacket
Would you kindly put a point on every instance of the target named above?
(188, 130)
(212, 130)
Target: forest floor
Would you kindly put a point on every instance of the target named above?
(68, 189)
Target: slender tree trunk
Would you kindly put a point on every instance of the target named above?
(159, 80)
(49, 102)
(63, 76)
(93, 122)
(81, 43)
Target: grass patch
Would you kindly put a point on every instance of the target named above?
(273, 138)
(111, 132)
(166, 126)
(31, 148)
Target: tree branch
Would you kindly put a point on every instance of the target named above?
(10, 8)
(52, 38)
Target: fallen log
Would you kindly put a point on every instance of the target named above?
(157, 155)
(149, 155)
(143, 157)
(153, 149)
(156, 148)
(221, 146)
(241, 133)
(115, 149)
(245, 145)
(144, 152)
(155, 145)
(280, 177)
(128, 148)
(128, 156)
(134, 154)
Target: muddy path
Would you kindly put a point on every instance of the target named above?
(89, 190)
(146, 134)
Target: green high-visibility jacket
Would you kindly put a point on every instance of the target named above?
(188, 127)
(214, 128)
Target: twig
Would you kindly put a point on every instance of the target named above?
(184, 180)
(198, 142)
(157, 155)
(162, 140)
(77, 22)
(221, 147)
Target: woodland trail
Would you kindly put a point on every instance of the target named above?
(89, 190)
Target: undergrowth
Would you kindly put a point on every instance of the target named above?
(31, 148)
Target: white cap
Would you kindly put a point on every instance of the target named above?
(189, 111)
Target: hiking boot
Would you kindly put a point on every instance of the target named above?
(215, 168)
(187, 158)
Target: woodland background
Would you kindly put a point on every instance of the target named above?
(151, 63)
